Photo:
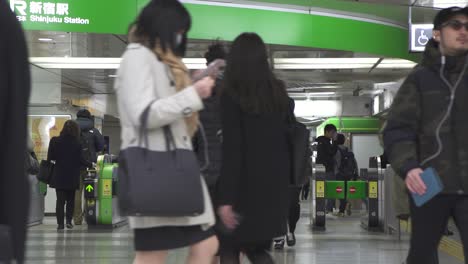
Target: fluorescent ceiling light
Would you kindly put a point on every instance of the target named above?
(449, 3)
(340, 63)
(97, 63)
(324, 63)
(321, 93)
(112, 76)
(45, 39)
(326, 60)
(200, 63)
(396, 64)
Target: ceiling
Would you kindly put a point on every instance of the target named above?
(343, 82)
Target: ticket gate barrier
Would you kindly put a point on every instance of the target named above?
(374, 220)
(323, 190)
(317, 210)
(100, 194)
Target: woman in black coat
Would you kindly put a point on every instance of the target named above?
(66, 151)
(253, 187)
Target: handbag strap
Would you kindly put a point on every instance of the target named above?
(168, 136)
(205, 147)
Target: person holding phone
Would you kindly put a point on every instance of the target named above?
(427, 129)
(152, 76)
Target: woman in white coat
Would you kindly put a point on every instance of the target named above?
(152, 73)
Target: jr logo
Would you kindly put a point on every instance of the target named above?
(19, 6)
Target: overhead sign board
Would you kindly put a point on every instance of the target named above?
(103, 16)
(420, 34)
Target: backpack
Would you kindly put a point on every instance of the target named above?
(85, 142)
(347, 169)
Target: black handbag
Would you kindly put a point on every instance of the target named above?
(299, 141)
(46, 170)
(159, 183)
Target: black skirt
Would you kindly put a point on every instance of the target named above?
(169, 237)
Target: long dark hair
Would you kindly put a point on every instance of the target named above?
(161, 20)
(249, 79)
(71, 128)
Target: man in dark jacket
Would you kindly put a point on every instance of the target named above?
(427, 127)
(14, 97)
(326, 151)
(92, 142)
(209, 152)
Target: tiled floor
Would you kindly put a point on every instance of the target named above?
(343, 242)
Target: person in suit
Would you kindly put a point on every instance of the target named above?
(14, 96)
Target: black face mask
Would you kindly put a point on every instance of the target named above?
(180, 46)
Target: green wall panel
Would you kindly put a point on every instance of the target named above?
(299, 30)
(351, 125)
(102, 16)
(211, 22)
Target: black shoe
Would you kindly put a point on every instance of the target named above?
(291, 239)
(278, 244)
(60, 227)
(69, 226)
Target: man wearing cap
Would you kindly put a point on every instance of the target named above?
(427, 128)
(92, 142)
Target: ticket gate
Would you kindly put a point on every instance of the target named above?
(100, 188)
(322, 190)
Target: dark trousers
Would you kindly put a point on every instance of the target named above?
(429, 223)
(64, 197)
(294, 208)
(344, 202)
(257, 254)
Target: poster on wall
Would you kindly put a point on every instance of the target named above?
(42, 128)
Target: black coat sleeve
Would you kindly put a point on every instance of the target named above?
(14, 97)
(232, 151)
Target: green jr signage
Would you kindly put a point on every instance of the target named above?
(99, 16)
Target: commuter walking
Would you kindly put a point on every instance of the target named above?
(92, 142)
(346, 169)
(14, 96)
(294, 211)
(426, 128)
(255, 174)
(326, 151)
(152, 76)
(210, 118)
(66, 152)
(208, 146)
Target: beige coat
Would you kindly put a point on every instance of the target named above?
(142, 79)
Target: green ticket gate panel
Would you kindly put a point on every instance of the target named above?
(105, 194)
(335, 189)
(356, 190)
